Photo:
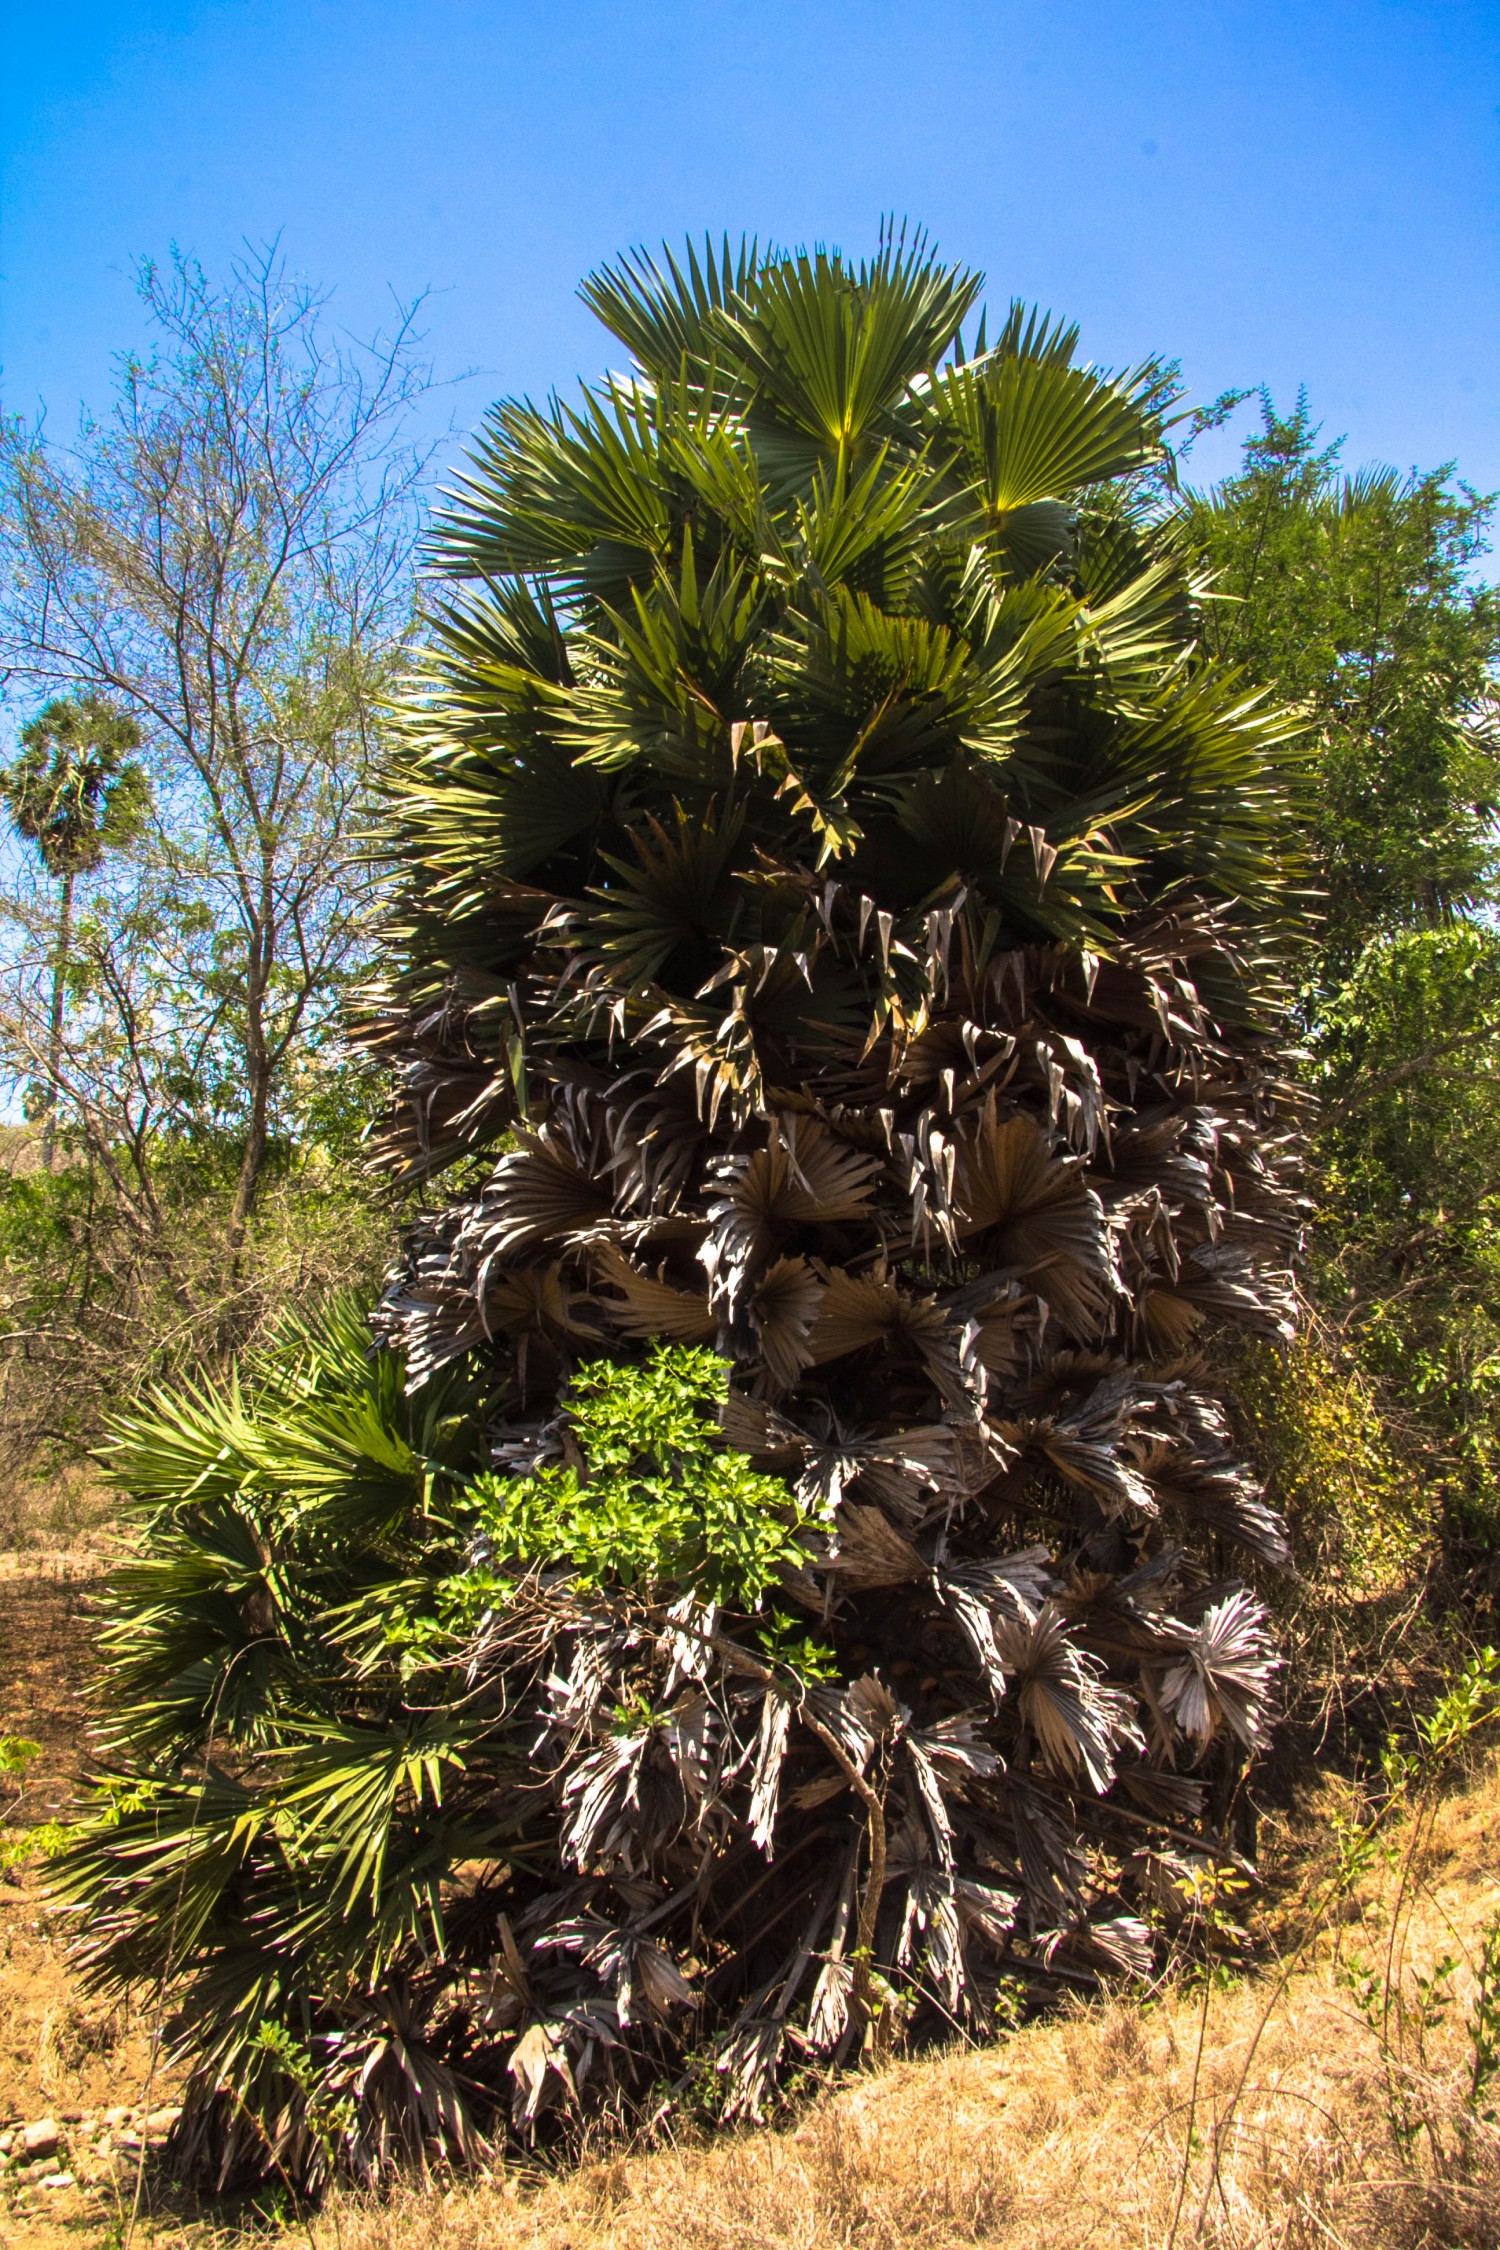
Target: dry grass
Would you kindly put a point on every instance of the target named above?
(61, 1521)
(1253, 2118)
(58, 2049)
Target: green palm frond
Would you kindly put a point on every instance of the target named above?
(672, 895)
(665, 676)
(194, 1443)
(1030, 433)
(867, 692)
(367, 1805)
(867, 533)
(832, 349)
(665, 313)
(574, 491)
(197, 1631)
(1030, 333)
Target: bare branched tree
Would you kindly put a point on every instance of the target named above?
(227, 558)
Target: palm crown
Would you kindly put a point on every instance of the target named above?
(835, 947)
(74, 791)
(805, 632)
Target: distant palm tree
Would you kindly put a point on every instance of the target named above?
(73, 793)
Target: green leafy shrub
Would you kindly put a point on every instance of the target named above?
(1406, 1254)
(659, 1501)
(17, 1755)
(1363, 1519)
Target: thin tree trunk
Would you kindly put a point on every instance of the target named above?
(257, 1134)
(55, 1024)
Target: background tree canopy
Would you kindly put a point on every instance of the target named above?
(1359, 598)
(221, 568)
(1355, 596)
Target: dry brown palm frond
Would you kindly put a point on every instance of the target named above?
(1223, 1676)
(1227, 1277)
(984, 1596)
(803, 1177)
(1165, 1154)
(647, 1307)
(540, 1193)
(782, 1311)
(1037, 1216)
(1007, 1320)
(1086, 1444)
(864, 1312)
(539, 1300)
(637, 1973)
(1206, 1485)
(1078, 1721)
(765, 1781)
(864, 1549)
(657, 1139)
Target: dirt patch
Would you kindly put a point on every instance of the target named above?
(44, 1671)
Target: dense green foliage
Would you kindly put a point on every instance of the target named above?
(658, 1501)
(1408, 1247)
(75, 790)
(1359, 597)
(1354, 596)
(838, 952)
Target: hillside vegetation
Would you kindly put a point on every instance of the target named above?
(749, 1297)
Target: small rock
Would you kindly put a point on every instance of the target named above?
(71, 2116)
(115, 2118)
(7, 2143)
(40, 2138)
(162, 2120)
(59, 2180)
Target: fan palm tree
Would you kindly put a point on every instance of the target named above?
(832, 999)
(72, 794)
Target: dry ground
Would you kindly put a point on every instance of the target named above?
(62, 2055)
(53, 2049)
(1252, 2118)
(1265, 2115)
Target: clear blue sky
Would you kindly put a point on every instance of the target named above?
(1295, 191)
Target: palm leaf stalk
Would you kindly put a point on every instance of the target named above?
(777, 1576)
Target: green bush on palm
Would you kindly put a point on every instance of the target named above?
(775, 1581)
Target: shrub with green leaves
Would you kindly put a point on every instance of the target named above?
(658, 1500)
(834, 981)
